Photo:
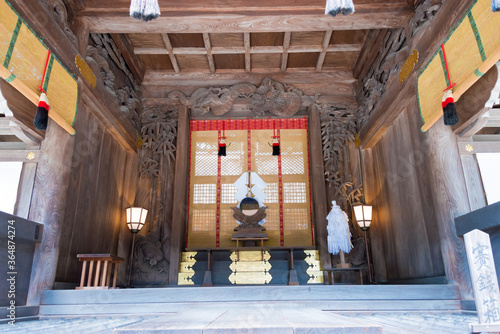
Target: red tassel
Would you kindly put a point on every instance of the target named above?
(222, 147)
(42, 113)
(276, 147)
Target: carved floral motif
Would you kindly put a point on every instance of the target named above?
(271, 96)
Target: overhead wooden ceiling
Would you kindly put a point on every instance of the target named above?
(203, 43)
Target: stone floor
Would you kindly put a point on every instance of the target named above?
(262, 318)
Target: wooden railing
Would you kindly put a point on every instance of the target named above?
(100, 281)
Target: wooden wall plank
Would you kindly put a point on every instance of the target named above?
(376, 228)
(25, 190)
(474, 182)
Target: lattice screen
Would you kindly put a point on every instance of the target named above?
(211, 221)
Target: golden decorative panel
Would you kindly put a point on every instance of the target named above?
(186, 271)
(188, 256)
(314, 271)
(408, 66)
(250, 266)
(247, 256)
(185, 279)
(250, 278)
(85, 71)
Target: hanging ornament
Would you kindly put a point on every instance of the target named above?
(42, 110)
(339, 237)
(495, 5)
(276, 146)
(222, 147)
(450, 115)
(145, 10)
(276, 142)
(42, 113)
(334, 7)
(222, 141)
(449, 112)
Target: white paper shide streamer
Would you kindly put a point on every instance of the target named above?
(495, 5)
(334, 7)
(145, 10)
(339, 237)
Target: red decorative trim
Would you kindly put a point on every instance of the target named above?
(249, 146)
(44, 73)
(309, 176)
(189, 181)
(252, 124)
(218, 200)
(280, 193)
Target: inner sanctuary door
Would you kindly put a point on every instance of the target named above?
(249, 148)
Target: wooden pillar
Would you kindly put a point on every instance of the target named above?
(48, 206)
(449, 192)
(179, 209)
(318, 188)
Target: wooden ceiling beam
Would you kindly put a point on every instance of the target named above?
(386, 17)
(255, 7)
(335, 83)
(254, 49)
(168, 46)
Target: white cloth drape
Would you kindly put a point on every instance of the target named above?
(339, 237)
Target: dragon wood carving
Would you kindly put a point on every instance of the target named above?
(271, 96)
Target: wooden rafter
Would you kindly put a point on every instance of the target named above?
(134, 63)
(208, 48)
(286, 46)
(324, 49)
(248, 65)
(168, 46)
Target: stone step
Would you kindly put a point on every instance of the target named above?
(255, 319)
(175, 299)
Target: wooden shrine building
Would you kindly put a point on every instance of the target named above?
(139, 110)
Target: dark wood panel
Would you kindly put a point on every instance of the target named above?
(266, 60)
(192, 62)
(225, 40)
(348, 37)
(307, 38)
(229, 61)
(186, 40)
(266, 38)
(343, 60)
(306, 59)
(156, 62)
(146, 40)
